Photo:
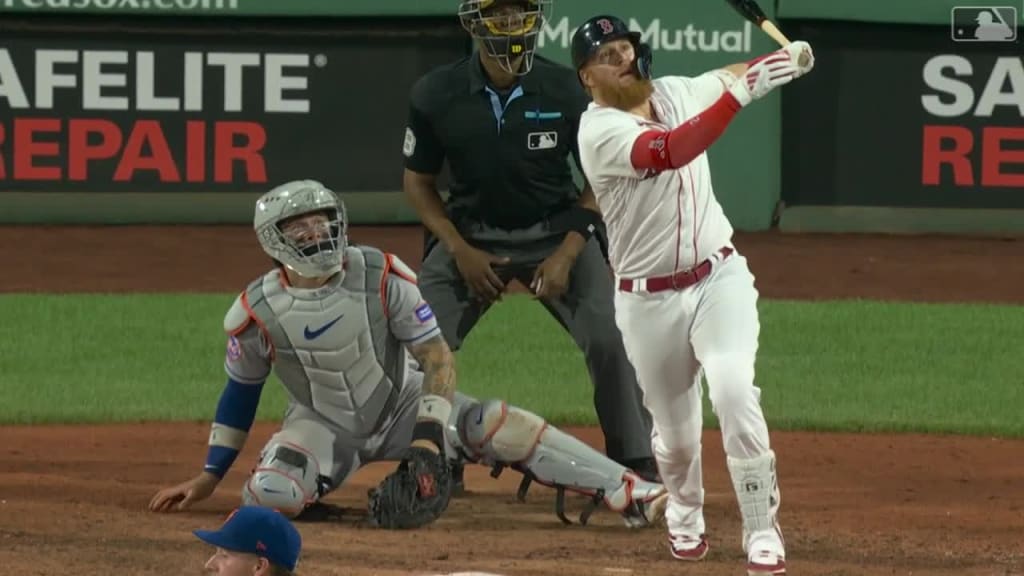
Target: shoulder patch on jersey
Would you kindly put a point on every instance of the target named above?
(237, 317)
(424, 313)
(234, 351)
(409, 146)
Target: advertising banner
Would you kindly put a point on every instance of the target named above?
(202, 8)
(907, 117)
(929, 12)
(176, 110)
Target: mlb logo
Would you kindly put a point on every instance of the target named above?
(984, 24)
(542, 140)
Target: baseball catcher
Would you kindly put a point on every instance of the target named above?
(370, 378)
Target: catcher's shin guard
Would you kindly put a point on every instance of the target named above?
(496, 434)
(287, 478)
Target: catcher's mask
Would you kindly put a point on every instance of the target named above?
(507, 29)
(310, 246)
(600, 30)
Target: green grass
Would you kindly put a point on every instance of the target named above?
(851, 365)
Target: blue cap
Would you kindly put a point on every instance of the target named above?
(258, 530)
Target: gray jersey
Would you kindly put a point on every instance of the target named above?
(339, 349)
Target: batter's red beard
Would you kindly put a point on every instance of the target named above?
(629, 96)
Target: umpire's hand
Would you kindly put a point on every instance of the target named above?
(551, 279)
(475, 267)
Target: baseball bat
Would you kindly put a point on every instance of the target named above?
(753, 13)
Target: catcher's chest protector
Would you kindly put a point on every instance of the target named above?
(333, 350)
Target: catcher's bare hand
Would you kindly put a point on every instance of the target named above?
(415, 494)
(184, 494)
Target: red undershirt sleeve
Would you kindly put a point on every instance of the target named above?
(666, 150)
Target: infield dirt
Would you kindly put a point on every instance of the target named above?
(73, 498)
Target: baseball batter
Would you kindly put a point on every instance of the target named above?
(369, 377)
(686, 301)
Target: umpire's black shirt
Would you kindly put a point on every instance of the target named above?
(508, 153)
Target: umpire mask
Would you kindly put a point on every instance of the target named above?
(507, 29)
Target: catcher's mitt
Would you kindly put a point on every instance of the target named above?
(415, 494)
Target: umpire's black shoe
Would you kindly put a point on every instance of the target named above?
(645, 468)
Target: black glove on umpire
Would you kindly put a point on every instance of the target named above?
(415, 494)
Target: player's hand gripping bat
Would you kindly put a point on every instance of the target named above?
(753, 13)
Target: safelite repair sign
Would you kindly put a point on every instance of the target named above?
(162, 117)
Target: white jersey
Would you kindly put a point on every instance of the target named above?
(658, 223)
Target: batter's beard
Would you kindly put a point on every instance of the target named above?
(629, 96)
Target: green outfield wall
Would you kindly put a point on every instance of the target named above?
(195, 107)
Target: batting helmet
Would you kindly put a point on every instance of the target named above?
(602, 29)
(508, 29)
(296, 198)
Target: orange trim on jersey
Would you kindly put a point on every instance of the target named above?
(259, 323)
(399, 273)
(248, 319)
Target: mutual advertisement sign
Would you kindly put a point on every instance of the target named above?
(914, 119)
(663, 36)
(206, 115)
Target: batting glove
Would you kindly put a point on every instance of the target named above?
(770, 72)
(801, 53)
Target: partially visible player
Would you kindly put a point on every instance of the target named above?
(686, 301)
(369, 378)
(253, 541)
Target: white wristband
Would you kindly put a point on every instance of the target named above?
(725, 77)
(227, 437)
(434, 408)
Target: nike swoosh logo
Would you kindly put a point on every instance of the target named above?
(314, 334)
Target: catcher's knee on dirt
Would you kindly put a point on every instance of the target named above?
(287, 478)
(493, 433)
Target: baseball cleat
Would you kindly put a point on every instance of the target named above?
(458, 469)
(766, 563)
(648, 504)
(688, 548)
(766, 554)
